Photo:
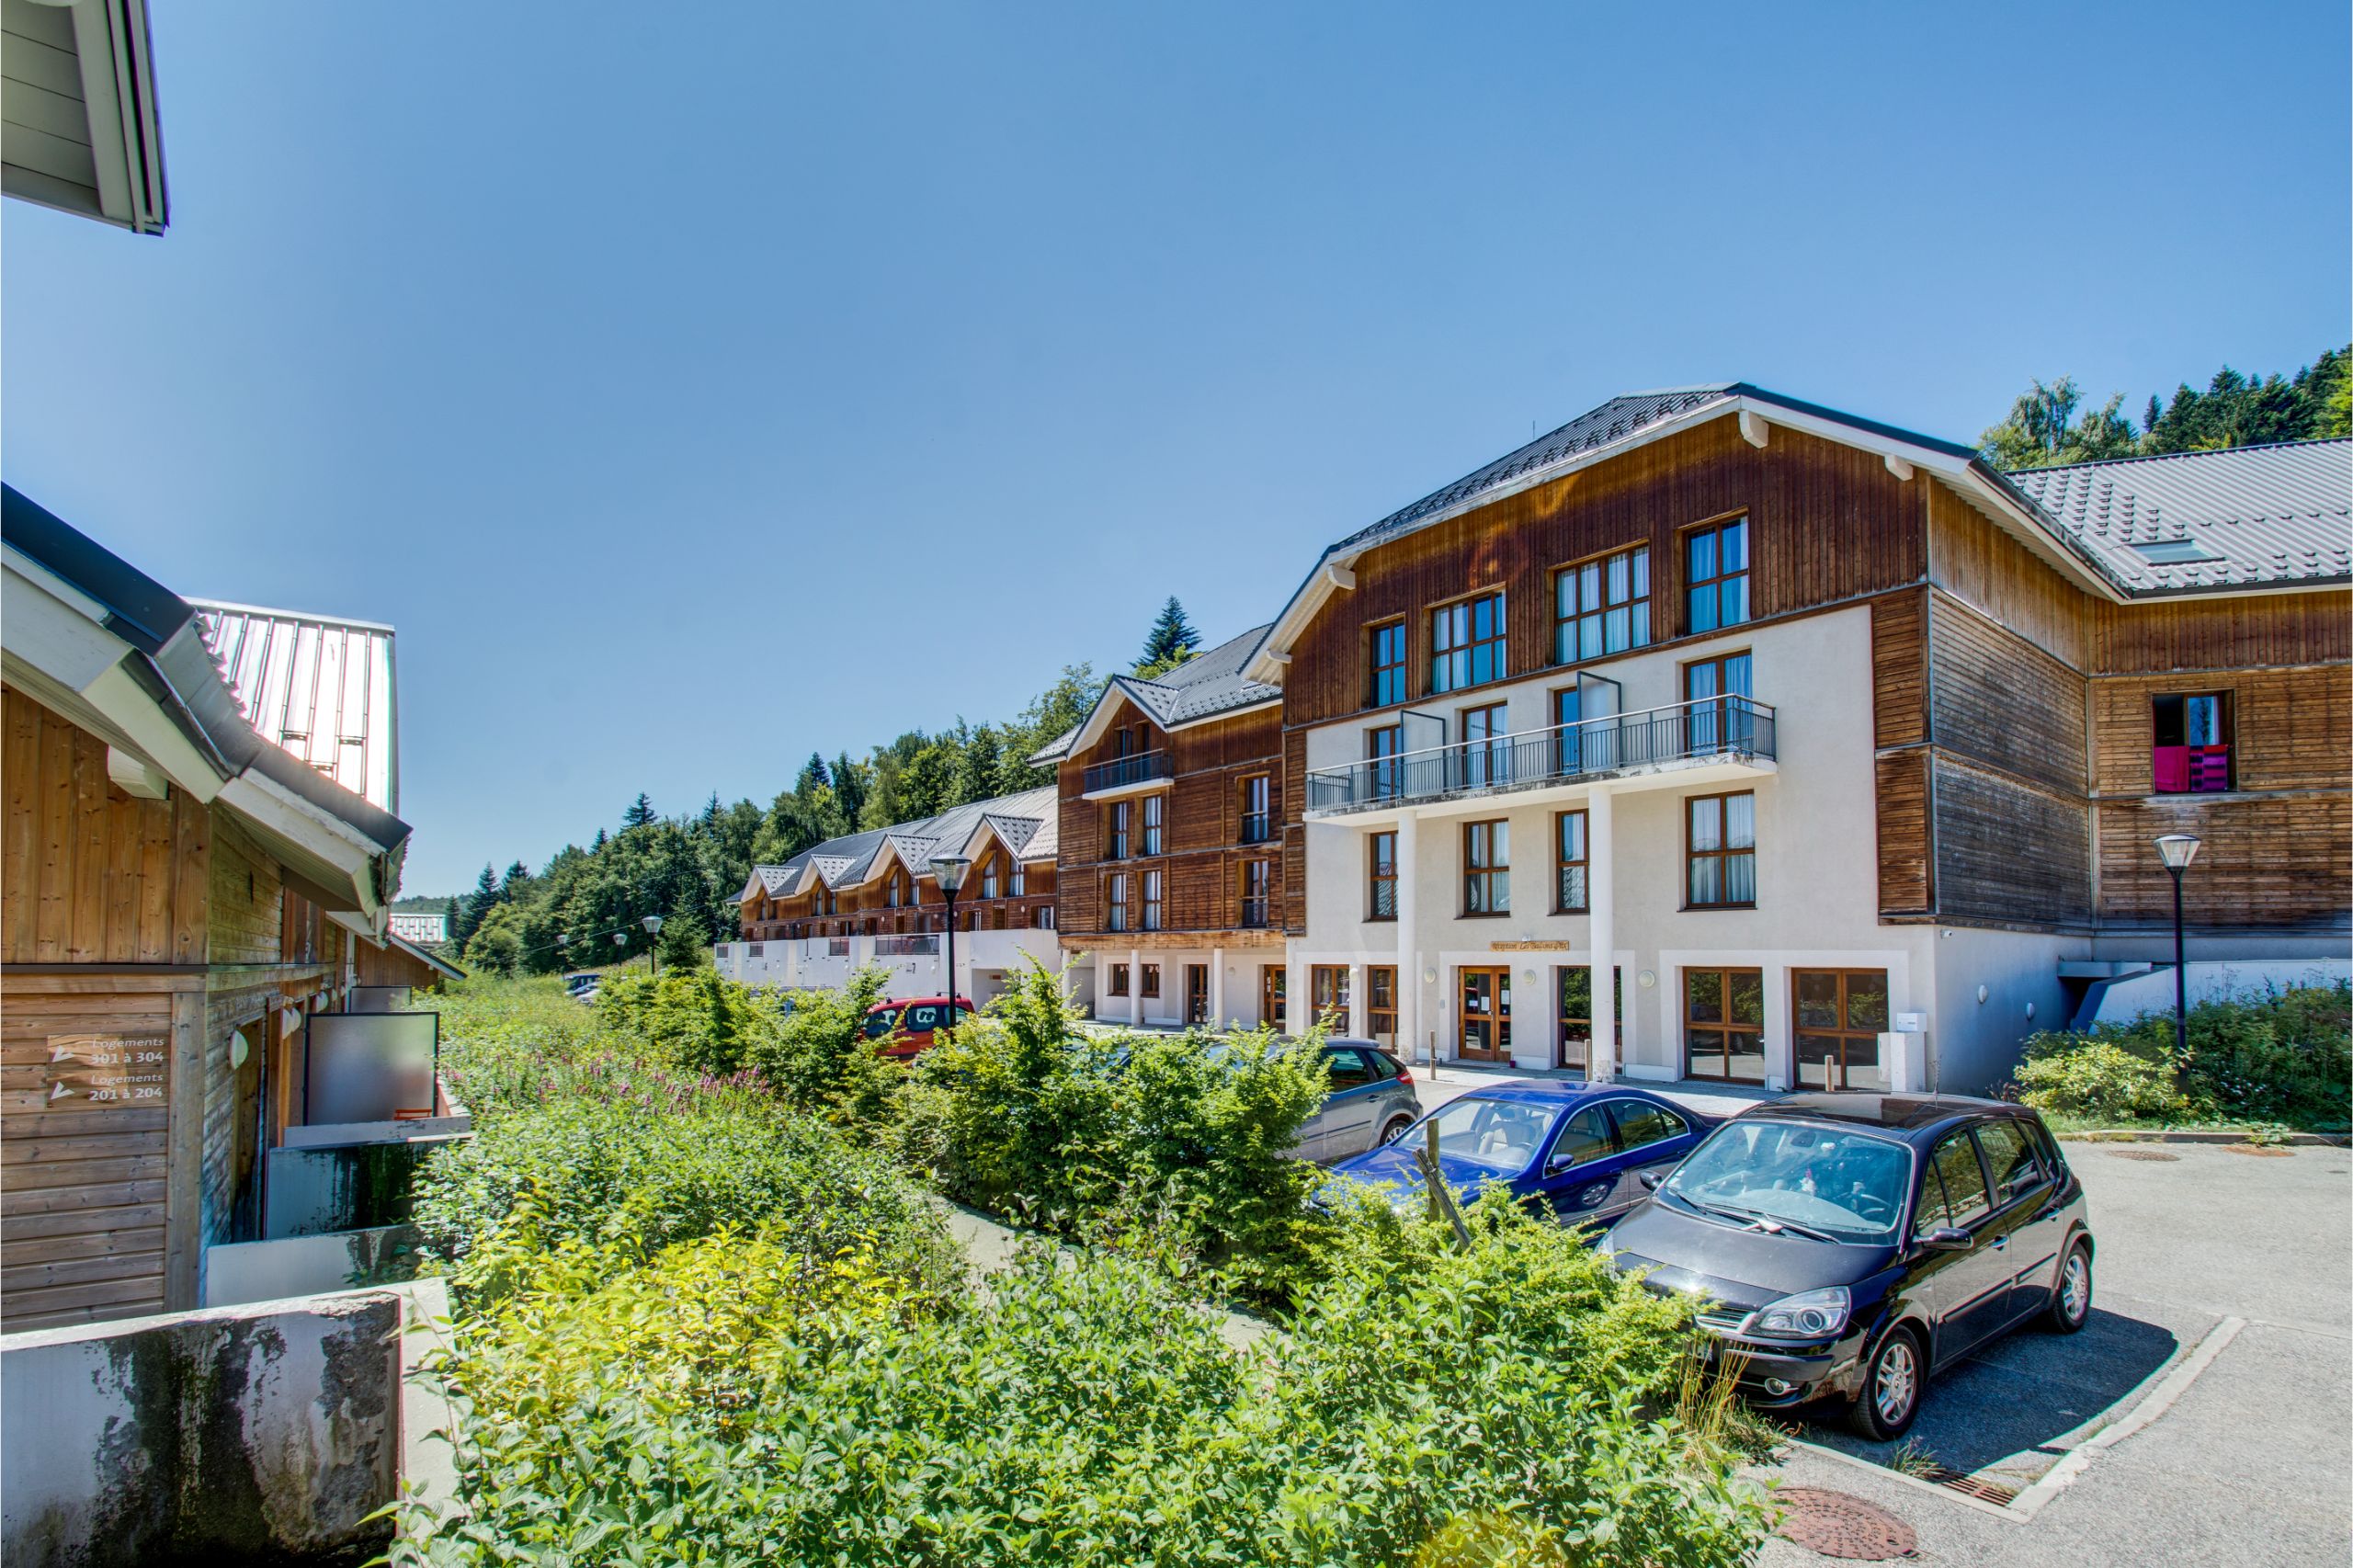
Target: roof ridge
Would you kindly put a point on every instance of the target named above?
(2191, 452)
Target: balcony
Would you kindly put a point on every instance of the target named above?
(1128, 775)
(925, 946)
(1711, 729)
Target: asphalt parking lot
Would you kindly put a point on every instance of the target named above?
(2205, 1415)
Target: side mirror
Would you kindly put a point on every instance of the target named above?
(1650, 1180)
(1948, 1238)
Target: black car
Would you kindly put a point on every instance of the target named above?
(1850, 1245)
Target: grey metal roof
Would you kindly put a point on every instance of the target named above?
(1201, 688)
(849, 860)
(318, 685)
(2264, 515)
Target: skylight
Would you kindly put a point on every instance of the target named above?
(2175, 551)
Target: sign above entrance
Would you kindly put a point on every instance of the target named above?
(1528, 947)
(106, 1072)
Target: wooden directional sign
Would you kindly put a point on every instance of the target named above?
(107, 1072)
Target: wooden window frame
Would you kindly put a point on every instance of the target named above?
(1374, 1014)
(1118, 829)
(1726, 1028)
(1499, 639)
(1264, 869)
(1483, 761)
(1640, 607)
(1488, 871)
(992, 883)
(1150, 901)
(1386, 782)
(2225, 707)
(1723, 853)
(1563, 864)
(1148, 982)
(1265, 815)
(1118, 983)
(1692, 584)
(1388, 692)
(1331, 979)
(1374, 878)
(1843, 1032)
(1115, 901)
(1155, 813)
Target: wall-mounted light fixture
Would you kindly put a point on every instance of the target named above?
(1647, 979)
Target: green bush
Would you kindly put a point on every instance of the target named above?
(818, 1058)
(693, 1017)
(1507, 1404)
(2284, 1056)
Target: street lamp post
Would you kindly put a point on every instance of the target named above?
(563, 940)
(2177, 850)
(653, 924)
(949, 869)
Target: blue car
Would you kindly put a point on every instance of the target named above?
(1580, 1149)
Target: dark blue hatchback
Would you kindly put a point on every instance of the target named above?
(1579, 1147)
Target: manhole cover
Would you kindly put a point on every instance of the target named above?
(2143, 1154)
(1836, 1525)
(2268, 1151)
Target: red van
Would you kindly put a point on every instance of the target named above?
(915, 1019)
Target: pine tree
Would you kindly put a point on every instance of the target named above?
(849, 791)
(640, 813)
(477, 908)
(977, 769)
(813, 776)
(1170, 642)
(685, 940)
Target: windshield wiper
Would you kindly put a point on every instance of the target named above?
(1769, 1222)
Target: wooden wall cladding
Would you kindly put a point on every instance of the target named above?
(245, 925)
(82, 1192)
(1998, 699)
(2008, 854)
(1977, 562)
(2275, 862)
(1906, 878)
(2292, 729)
(2215, 634)
(1827, 523)
(93, 875)
(1900, 669)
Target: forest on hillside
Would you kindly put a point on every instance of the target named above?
(2048, 425)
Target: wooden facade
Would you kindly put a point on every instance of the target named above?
(1209, 839)
(134, 927)
(867, 910)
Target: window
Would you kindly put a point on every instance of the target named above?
(1467, 643)
(1715, 575)
(1568, 838)
(1328, 985)
(1381, 892)
(1486, 756)
(2192, 750)
(1569, 738)
(1152, 902)
(992, 880)
(1154, 806)
(1486, 867)
(1127, 741)
(1380, 1004)
(1839, 1015)
(1151, 980)
(1723, 1024)
(1116, 903)
(1119, 979)
(1015, 882)
(1253, 894)
(1387, 646)
(1602, 606)
(1257, 818)
(1381, 747)
(1960, 1189)
(1641, 1124)
(2012, 1158)
(1117, 816)
(1584, 1139)
(1717, 717)
(1347, 1066)
(1576, 1015)
(1045, 917)
(1720, 851)
(896, 890)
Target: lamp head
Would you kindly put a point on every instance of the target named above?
(653, 924)
(2177, 850)
(950, 872)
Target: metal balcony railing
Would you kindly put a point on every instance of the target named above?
(1254, 914)
(1139, 769)
(1706, 727)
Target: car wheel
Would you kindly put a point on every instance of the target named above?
(2071, 1293)
(1396, 1128)
(1891, 1387)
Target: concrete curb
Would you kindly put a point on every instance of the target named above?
(2204, 1135)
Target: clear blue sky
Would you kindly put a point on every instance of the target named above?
(696, 388)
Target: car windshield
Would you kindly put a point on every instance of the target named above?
(1848, 1186)
(1503, 1135)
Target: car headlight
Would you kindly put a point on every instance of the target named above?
(1810, 1314)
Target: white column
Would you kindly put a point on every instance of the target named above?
(1217, 987)
(1299, 997)
(1135, 986)
(1409, 959)
(1357, 1000)
(1601, 904)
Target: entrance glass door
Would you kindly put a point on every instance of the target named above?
(1197, 993)
(1486, 1014)
(1274, 985)
(1576, 1016)
(1840, 1014)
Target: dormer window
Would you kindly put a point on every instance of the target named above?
(2175, 552)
